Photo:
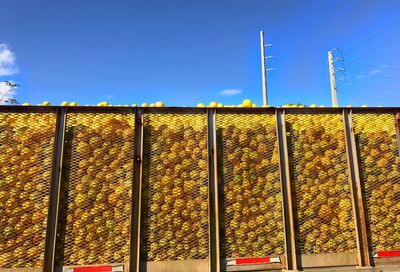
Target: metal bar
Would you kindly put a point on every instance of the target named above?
(213, 191)
(28, 109)
(113, 109)
(397, 123)
(91, 109)
(134, 261)
(290, 242)
(50, 244)
(177, 110)
(356, 191)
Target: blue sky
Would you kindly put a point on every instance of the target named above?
(185, 52)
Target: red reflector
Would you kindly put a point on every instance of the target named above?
(387, 254)
(252, 260)
(93, 269)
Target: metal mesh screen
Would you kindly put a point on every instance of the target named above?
(251, 218)
(380, 178)
(26, 151)
(175, 187)
(323, 206)
(97, 189)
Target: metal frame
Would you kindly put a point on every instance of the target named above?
(324, 259)
(55, 185)
(397, 123)
(356, 191)
(292, 258)
(290, 241)
(213, 192)
(285, 210)
(134, 261)
(178, 266)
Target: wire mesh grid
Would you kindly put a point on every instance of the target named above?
(96, 199)
(175, 187)
(380, 178)
(26, 151)
(318, 163)
(250, 202)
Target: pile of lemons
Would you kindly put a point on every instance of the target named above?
(175, 181)
(98, 171)
(380, 176)
(249, 171)
(25, 173)
(322, 189)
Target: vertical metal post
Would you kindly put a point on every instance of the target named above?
(263, 69)
(134, 261)
(55, 185)
(356, 191)
(397, 123)
(290, 241)
(213, 191)
(332, 79)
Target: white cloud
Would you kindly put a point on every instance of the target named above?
(374, 71)
(6, 93)
(360, 76)
(8, 66)
(230, 92)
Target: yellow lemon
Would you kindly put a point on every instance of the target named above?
(159, 104)
(213, 104)
(64, 103)
(144, 105)
(247, 103)
(200, 105)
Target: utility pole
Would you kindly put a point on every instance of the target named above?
(332, 78)
(263, 69)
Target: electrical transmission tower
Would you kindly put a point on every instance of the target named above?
(264, 69)
(332, 60)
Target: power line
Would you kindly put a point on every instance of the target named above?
(373, 65)
(374, 86)
(283, 33)
(374, 75)
(389, 10)
(315, 12)
(378, 46)
(373, 36)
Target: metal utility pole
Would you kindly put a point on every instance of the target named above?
(332, 77)
(263, 69)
